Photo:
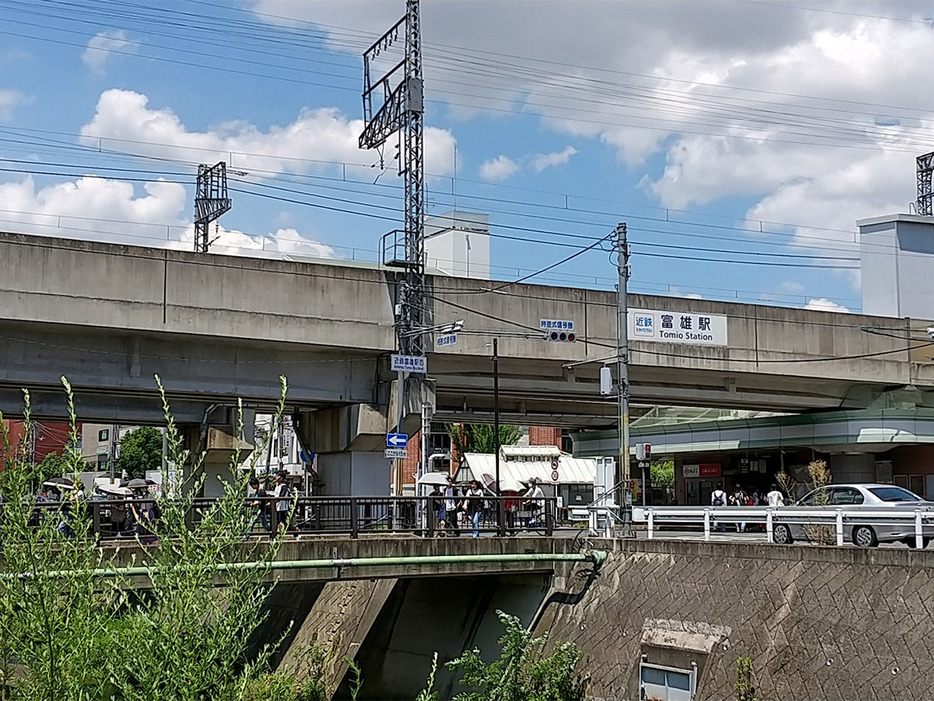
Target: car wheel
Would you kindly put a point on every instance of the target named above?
(865, 537)
(781, 535)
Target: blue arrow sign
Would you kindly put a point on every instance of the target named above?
(396, 440)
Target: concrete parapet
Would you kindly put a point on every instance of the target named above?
(815, 622)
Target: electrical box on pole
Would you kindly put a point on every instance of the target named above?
(606, 381)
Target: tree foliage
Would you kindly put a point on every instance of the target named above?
(52, 465)
(68, 632)
(663, 474)
(522, 672)
(478, 438)
(140, 450)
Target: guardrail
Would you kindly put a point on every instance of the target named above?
(112, 519)
(919, 522)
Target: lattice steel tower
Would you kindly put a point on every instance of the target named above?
(400, 90)
(211, 201)
(925, 169)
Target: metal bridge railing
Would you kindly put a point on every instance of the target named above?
(918, 521)
(112, 519)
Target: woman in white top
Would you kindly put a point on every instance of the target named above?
(474, 505)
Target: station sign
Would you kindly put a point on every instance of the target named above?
(448, 340)
(417, 364)
(667, 326)
(711, 469)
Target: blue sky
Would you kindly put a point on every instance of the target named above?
(754, 131)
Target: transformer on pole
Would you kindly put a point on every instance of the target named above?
(394, 102)
(925, 169)
(211, 201)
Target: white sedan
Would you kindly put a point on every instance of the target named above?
(854, 497)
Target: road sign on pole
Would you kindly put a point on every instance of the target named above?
(396, 440)
(396, 453)
(417, 364)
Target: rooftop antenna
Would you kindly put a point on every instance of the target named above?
(925, 170)
(211, 201)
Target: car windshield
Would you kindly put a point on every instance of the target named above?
(894, 494)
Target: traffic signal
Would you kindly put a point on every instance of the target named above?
(643, 452)
(561, 336)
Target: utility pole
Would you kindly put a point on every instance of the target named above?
(423, 466)
(496, 410)
(499, 492)
(622, 373)
(394, 102)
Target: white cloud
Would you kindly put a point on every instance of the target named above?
(104, 45)
(540, 161)
(784, 115)
(823, 304)
(124, 118)
(499, 168)
(94, 208)
(791, 287)
(503, 167)
(9, 99)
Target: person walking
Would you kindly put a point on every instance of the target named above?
(256, 501)
(535, 501)
(451, 507)
(739, 499)
(718, 498)
(144, 512)
(284, 505)
(775, 498)
(436, 509)
(474, 504)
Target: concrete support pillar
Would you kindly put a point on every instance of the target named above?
(853, 467)
(349, 441)
(216, 437)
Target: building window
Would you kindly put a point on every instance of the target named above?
(666, 683)
(439, 440)
(103, 435)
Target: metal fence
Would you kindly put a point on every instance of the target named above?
(919, 523)
(353, 516)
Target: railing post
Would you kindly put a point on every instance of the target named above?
(706, 524)
(354, 526)
(651, 524)
(919, 538)
(768, 526)
(839, 526)
(551, 513)
(500, 516)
